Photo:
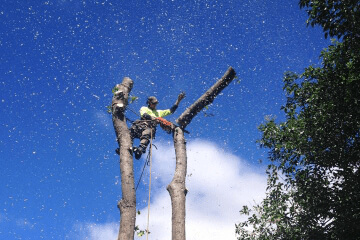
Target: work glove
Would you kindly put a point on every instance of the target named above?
(181, 96)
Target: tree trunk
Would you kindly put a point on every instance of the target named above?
(127, 204)
(177, 188)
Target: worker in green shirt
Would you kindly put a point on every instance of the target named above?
(146, 126)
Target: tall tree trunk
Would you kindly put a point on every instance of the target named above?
(127, 204)
(177, 188)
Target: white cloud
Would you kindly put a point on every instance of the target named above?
(92, 231)
(219, 184)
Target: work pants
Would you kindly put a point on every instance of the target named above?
(143, 130)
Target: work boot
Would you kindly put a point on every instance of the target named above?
(138, 152)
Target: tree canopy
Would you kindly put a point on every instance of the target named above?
(313, 187)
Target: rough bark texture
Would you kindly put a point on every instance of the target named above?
(206, 99)
(177, 188)
(127, 204)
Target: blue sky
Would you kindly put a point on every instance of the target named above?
(59, 61)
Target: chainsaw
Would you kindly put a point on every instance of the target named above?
(168, 126)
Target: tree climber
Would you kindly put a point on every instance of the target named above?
(146, 126)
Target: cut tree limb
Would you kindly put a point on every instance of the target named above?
(127, 204)
(206, 99)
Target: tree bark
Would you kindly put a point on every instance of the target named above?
(127, 204)
(177, 188)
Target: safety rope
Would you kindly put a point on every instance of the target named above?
(128, 119)
(145, 163)
(148, 219)
(132, 110)
(142, 172)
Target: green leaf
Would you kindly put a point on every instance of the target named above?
(114, 90)
(141, 233)
(133, 99)
(109, 109)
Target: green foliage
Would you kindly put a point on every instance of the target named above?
(108, 109)
(141, 233)
(238, 81)
(133, 99)
(114, 90)
(138, 231)
(313, 189)
(338, 18)
(206, 113)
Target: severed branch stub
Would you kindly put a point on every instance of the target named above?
(177, 188)
(127, 204)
